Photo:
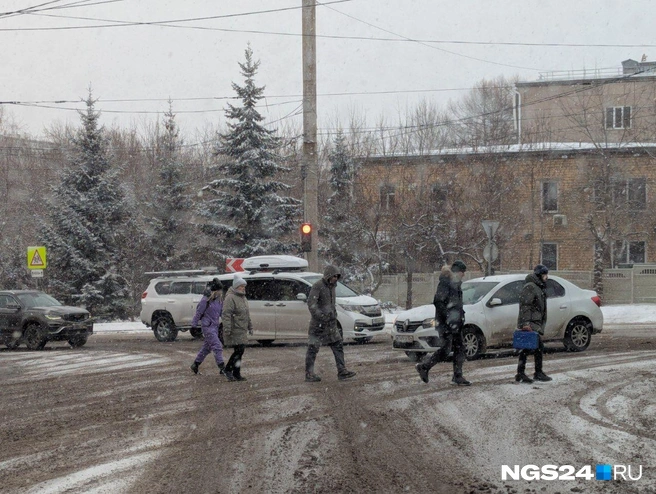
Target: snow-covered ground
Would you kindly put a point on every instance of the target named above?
(629, 314)
(613, 315)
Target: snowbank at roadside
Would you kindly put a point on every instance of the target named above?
(629, 314)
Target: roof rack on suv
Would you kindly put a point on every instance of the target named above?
(185, 272)
(276, 264)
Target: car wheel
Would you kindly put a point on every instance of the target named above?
(265, 342)
(196, 333)
(416, 356)
(364, 340)
(577, 335)
(34, 337)
(164, 329)
(78, 341)
(474, 341)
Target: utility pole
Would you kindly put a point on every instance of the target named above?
(310, 163)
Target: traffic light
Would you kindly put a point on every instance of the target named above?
(306, 237)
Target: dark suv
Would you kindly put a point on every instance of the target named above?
(34, 318)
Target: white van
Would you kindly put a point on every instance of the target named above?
(277, 289)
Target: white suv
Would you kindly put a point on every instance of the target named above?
(277, 289)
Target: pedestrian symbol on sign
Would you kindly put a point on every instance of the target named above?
(36, 261)
(36, 257)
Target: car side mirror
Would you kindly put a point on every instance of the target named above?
(302, 297)
(494, 301)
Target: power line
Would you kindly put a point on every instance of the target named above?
(428, 45)
(34, 9)
(399, 38)
(166, 23)
(154, 112)
(120, 23)
(418, 128)
(211, 98)
(27, 10)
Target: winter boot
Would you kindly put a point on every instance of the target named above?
(541, 376)
(229, 375)
(311, 377)
(523, 378)
(238, 376)
(423, 372)
(194, 367)
(460, 381)
(345, 374)
(221, 368)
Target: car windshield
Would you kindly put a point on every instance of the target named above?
(341, 290)
(474, 291)
(37, 300)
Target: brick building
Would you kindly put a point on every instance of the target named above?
(575, 193)
(603, 106)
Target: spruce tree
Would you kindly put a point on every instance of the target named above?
(171, 203)
(83, 233)
(341, 229)
(245, 208)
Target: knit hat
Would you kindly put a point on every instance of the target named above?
(215, 285)
(540, 269)
(458, 266)
(238, 281)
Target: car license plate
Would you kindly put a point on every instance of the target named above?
(404, 339)
(378, 320)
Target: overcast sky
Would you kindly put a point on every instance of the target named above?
(198, 58)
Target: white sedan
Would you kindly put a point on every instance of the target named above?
(491, 310)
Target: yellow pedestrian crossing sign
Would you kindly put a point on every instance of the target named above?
(36, 257)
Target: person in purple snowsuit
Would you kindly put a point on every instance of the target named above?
(208, 314)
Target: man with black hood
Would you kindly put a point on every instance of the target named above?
(323, 325)
(449, 315)
(533, 317)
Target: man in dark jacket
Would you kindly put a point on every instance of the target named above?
(533, 317)
(450, 316)
(323, 325)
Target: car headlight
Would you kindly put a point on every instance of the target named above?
(53, 318)
(351, 308)
(428, 323)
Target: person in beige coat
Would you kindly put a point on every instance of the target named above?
(237, 326)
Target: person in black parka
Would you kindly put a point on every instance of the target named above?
(533, 317)
(449, 315)
(323, 325)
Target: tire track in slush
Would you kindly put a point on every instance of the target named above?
(600, 395)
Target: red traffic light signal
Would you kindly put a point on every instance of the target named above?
(306, 237)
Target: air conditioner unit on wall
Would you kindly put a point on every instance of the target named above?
(559, 220)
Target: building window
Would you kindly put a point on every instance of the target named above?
(633, 252)
(549, 255)
(631, 192)
(387, 196)
(549, 197)
(636, 190)
(618, 117)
